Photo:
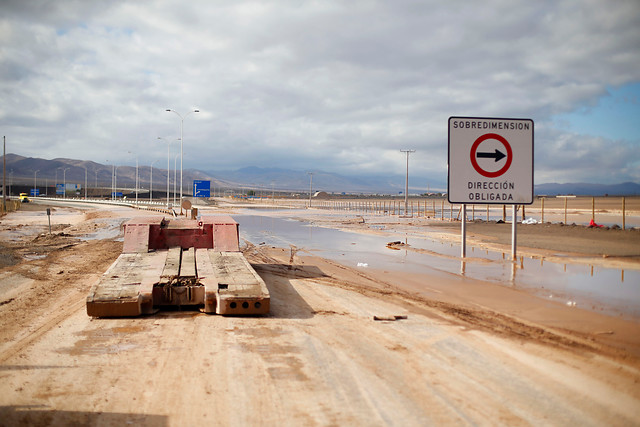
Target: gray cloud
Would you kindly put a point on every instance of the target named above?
(339, 86)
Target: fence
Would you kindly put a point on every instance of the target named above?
(580, 210)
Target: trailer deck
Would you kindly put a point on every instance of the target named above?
(179, 263)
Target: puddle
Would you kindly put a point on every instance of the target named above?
(110, 228)
(613, 291)
(31, 257)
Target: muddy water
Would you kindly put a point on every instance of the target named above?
(595, 288)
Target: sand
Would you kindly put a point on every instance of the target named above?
(458, 350)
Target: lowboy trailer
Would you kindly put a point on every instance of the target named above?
(179, 262)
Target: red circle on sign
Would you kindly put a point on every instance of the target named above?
(475, 164)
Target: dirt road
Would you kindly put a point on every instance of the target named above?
(319, 358)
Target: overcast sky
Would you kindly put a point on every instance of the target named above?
(339, 86)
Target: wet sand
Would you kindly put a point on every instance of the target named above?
(463, 351)
(568, 244)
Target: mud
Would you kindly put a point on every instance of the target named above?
(457, 351)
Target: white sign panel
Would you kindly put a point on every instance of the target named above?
(490, 161)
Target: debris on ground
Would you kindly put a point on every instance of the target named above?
(390, 318)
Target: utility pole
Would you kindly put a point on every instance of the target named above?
(310, 186)
(4, 173)
(406, 183)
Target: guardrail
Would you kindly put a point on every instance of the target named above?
(147, 205)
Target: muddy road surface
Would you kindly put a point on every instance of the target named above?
(319, 358)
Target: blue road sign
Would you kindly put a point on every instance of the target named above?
(35, 192)
(201, 188)
(60, 189)
(116, 194)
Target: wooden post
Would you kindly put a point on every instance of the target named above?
(593, 208)
(504, 213)
(565, 210)
(542, 210)
(487, 213)
(623, 213)
(523, 216)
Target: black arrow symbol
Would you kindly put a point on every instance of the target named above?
(497, 155)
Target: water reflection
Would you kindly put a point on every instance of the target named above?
(571, 283)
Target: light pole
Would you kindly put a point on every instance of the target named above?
(310, 186)
(181, 144)
(85, 182)
(136, 180)
(406, 182)
(115, 182)
(64, 182)
(168, 167)
(175, 160)
(107, 161)
(151, 182)
(136, 177)
(35, 174)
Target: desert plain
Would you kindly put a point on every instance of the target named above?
(447, 347)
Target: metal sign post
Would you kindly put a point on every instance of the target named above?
(514, 221)
(490, 161)
(464, 231)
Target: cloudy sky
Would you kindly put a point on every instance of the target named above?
(339, 86)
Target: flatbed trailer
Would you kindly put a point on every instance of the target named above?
(179, 262)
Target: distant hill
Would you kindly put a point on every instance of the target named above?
(21, 170)
(291, 180)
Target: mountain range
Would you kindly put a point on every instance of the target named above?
(36, 171)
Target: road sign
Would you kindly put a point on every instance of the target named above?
(34, 192)
(60, 189)
(201, 188)
(490, 161)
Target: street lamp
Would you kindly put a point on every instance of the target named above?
(168, 168)
(151, 182)
(115, 183)
(406, 183)
(64, 182)
(181, 143)
(136, 177)
(35, 174)
(175, 160)
(107, 161)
